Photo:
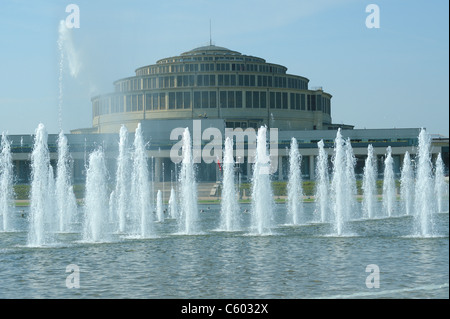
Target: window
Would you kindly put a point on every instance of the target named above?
(285, 100)
(231, 102)
(171, 101)
(302, 99)
(233, 80)
(246, 80)
(205, 99)
(187, 100)
(252, 80)
(140, 102)
(212, 99)
(263, 103)
(197, 101)
(223, 99)
(278, 100)
(128, 103)
(272, 100)
(297, 101)
(179, 98)
(121, 105)
(248, 99)
(238, 99)
(162, 101)
(255, 99)
(241, 80)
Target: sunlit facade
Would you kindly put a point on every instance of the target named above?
(216, 83)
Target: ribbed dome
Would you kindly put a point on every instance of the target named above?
(210, 49)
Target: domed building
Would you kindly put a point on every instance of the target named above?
(215, 83)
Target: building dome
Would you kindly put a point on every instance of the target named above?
(210, 49)
(216, 83)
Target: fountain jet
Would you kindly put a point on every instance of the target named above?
(294, 187)
(229, 211)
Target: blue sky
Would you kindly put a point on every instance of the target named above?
(394, 76)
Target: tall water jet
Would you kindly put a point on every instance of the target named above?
(322, 183)
(159, 207)
(173, 204)
(389, 192)
(123, 181)
(67, 50)
(262, 195)
(6, 184)
(143, 223)
(51, 215)
(229, 209)
(407, 184)
(440, 186)
(38, 233)
(369, 184)
(65, 198)
(95, 228)
(294, 186)
(188, 221)
(339, 186)
(351, 190)
(424, 191)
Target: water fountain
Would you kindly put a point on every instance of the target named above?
(173, 205)
(159, 207)
(121, 199)
(6, 184)
(65, 198)
(351, 190)
(369, 185)
(294, 186)
(140, 189)
(407, 184)
(440, 186)
(339, 186)
(424, 190)
(262, 195)
(322, 183)
(38, 231)
(51, 215)
(229, 210)
(188, 221)
(389, 192)
(95, 226)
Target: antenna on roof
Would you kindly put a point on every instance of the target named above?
(210, 34)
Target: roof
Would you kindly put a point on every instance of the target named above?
(210, 49)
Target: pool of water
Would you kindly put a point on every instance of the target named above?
(303, 261)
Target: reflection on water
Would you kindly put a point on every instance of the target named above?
(294, 261)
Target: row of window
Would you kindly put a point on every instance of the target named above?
(200, 80)
(210, 99)
(219, 57)
(208, 67)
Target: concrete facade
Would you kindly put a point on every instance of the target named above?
(215, 83)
